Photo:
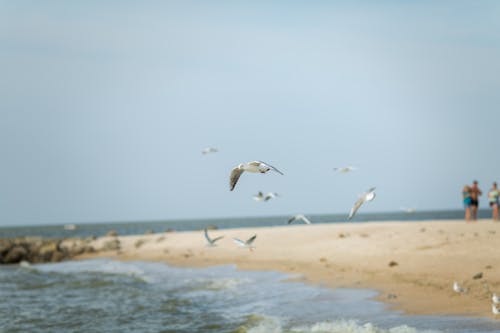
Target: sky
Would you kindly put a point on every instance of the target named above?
(105, 106)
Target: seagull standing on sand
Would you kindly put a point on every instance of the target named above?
(458, 289)
(345, 169)
(494, 309)
(495, 299)
(367, 196)
(211, 241)
(255, 167)
(261, 197)
(209, 150)
(246, 244)
(299, 217)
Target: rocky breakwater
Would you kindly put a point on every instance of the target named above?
(38, 249)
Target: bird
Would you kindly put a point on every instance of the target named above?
(299, 217)
(209, 150)
(458, 289)
(408, 210)
(494, 309)
(255, 167)
(246, 244)
(211, 241)
(345, 169)
(367, 196)
(495, 299)
(261, 197)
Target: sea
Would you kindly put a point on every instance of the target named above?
(105, 295)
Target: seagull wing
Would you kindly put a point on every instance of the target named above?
(239, 242)
(251, 239)
(291, 219)
(270, 167)
(217, 238)
(207, 237)
(355, 208)
(305, 219)
(233, 179)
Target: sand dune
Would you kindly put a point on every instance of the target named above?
(412, 264)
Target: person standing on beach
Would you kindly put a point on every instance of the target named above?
(493, 198)
(467, 202)
(475, 193)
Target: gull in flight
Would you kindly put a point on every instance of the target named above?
(261, 197)
(409, 210)
(494, 309)
(299, 217)
(246, 244)
(495, 299)
(255, 167)
(209, 150)
(458, 289)
(345, 169)
(367, 196)
(211, 241)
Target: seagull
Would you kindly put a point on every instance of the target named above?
(261, 197)
(367, 196)
(345, 169)
(495, 299)
(209, 150)
(255, 167)
(494, 309)
(408, 210)
(210, 241)
(458, 289)
(299, 217)
(246, 244)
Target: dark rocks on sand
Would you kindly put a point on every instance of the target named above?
(392, 263)
(111, 245)
(478, 276)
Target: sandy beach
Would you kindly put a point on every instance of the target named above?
(412, 264)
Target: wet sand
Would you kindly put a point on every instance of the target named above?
(412, 264)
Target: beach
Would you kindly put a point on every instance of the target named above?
(411, 264)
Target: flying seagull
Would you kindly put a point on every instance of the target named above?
(458, 289)
(246, 244)
(367, 196)
(345, 169)
(209, 150)
(261, 197)
(211, 241)
(255, 167)
(299, 217)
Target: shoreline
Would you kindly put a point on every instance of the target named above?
(411, 264)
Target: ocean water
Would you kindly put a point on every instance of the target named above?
(110, 296)
(139, 227)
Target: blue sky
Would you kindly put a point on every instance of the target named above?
(106, 106)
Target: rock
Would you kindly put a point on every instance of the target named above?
(111, 245)
(57, 256)
(89, 249)
(5, 246)
(112, 233)
(478, 276)
(392, 263)
(45, 251)
(15, 255)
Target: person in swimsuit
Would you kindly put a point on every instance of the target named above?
(467, 201)
(493, 198)
(475, 193)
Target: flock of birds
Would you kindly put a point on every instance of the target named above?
(262, 168)
(494, 298)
